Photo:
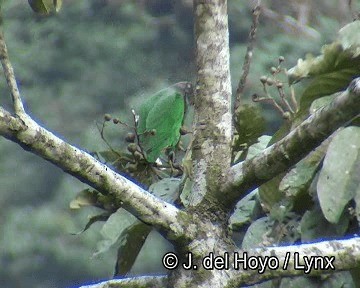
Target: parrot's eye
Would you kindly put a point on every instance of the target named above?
(188, 88)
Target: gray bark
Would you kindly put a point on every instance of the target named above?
(202, 228)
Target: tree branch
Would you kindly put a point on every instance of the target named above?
(248, 56)
(291, 25)
(342, 254)
(135, 282)
(279, 157)
(34, 138)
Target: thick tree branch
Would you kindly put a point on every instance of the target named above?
(279, 157)
(335, 255)
(87, 169)
(31, 136)
(213, 132)
(135, 282)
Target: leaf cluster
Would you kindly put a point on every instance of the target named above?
(163, 113)
(319, 196)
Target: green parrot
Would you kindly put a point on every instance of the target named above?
(161, 117)
(45, 7)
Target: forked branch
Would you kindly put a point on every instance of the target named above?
(279, 157)
(36, 139)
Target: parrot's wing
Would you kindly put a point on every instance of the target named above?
(145, 108)
(165, 118)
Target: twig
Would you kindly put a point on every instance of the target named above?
(249, 54)
(283, 98)
(290, 24)
(10, 76)
(293, 99)
(270, 100)
(102, 131)
(136, 124)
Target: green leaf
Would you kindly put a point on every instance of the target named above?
(355, 273)
(313, 225)
(258, 147)
(45, 7)
(327, 84)
(245, 210)
(339, 179)
(160, 120)
(93, 219)
(335, 56)
(132, 241)
(86, 197)
(113, 229)
(295, 184)
(332, 71)
(256, 233)
(349, 37)
(341, 279)
(249, 127)
(297, 282)
(167, 189)
(281, 132)
(322, 102)
(269, 193)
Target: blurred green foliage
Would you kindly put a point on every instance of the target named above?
(97, 57)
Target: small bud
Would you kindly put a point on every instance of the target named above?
(279, 85)
(107, 117)
(263, 79)
(281, 59)
(130, 137)
(152, 132)
(273, 70)
(136, 116)
(116, 121)
(269, 81)
(132, 147)
(255, 97)
(138, 155)
(287, 115)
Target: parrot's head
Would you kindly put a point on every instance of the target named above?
(186, 88)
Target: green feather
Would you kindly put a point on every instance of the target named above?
(163, 113)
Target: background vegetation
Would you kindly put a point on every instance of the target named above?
(103, 56)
